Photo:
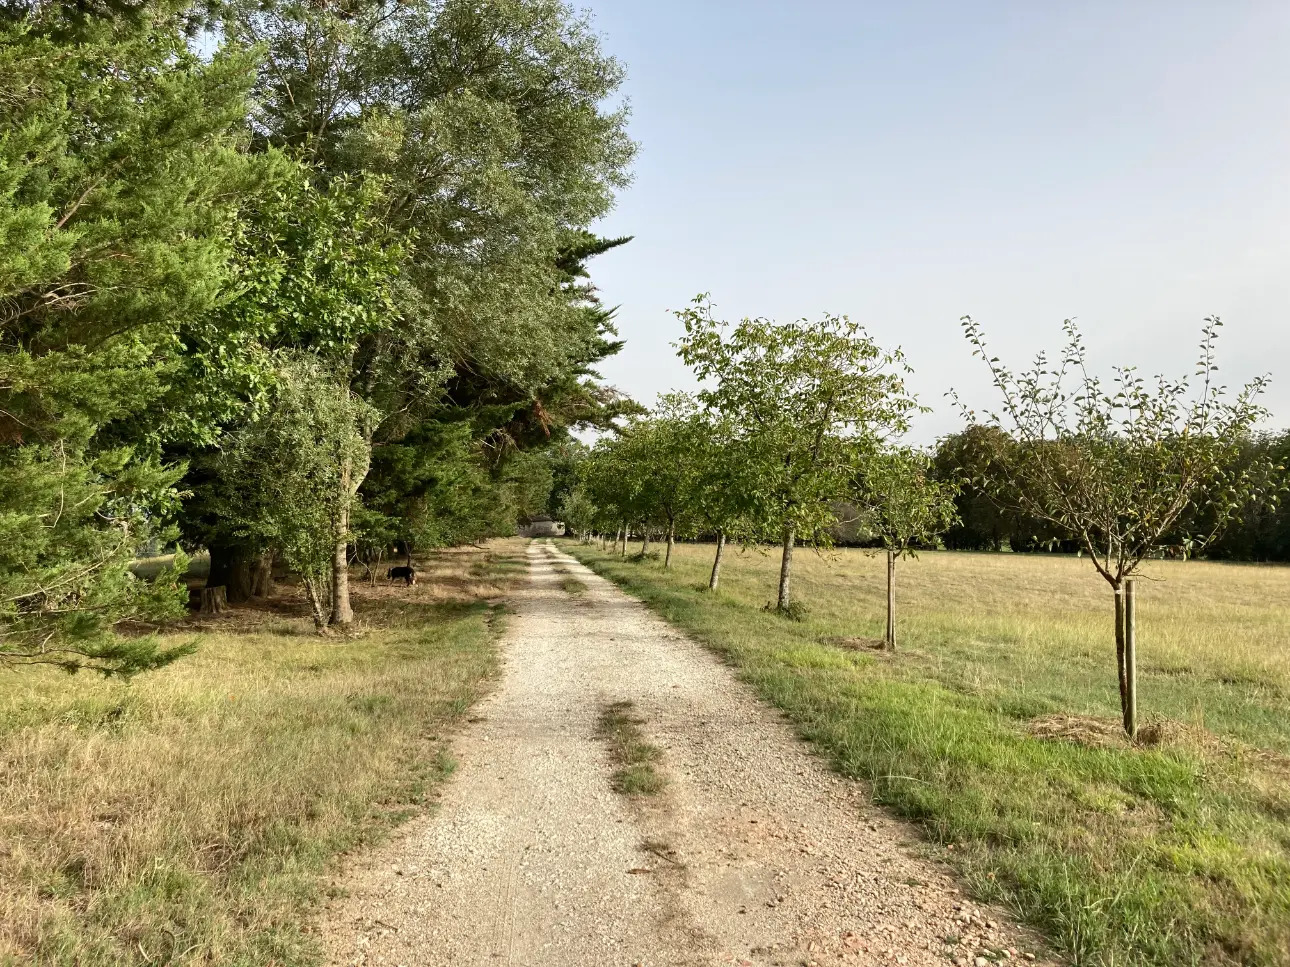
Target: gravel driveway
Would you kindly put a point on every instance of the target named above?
(754, 853)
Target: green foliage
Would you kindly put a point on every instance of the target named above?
(315, 271)
(905, 505)
(1123, 469)
(1259, 531)
(280, 470)
(807, 401)
(119, 173)
(577, 512)
(966, 460)
(487, 121)
(805, 398)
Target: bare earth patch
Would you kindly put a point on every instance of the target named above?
(753, 854)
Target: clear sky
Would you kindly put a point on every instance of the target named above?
(905, 163)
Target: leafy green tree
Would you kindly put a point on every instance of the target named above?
(485, 127)
(284, 463)
(905, 506)
(612, 481)
(1259, 531)
(723, 499)
(119, 178)
(1120, 468)
(805, 398)
(317, 275)
(663, 450)
(578, 513)
(966, 458)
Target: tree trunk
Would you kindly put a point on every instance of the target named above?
(716, 561)
(1130, 697)
(341, 612)
(671, 542)
(786, 566)
(891, 600)
(231, 570)
(624, 552)
(316, 604)
(214, 600)
(644, 541)
(262, 575)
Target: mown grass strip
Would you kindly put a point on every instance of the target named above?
(632, 753)
(1157, 856)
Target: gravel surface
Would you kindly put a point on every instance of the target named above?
(754, 853)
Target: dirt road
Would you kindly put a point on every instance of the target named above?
(754, 853)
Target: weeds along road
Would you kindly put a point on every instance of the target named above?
(751, 852)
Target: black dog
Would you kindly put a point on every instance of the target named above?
(408, 574)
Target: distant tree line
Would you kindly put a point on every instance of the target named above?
(288, 282)
(1258, 531)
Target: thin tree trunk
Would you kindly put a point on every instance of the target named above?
(315, 604)
(1131, 657)
(341, 612)
(624, 551)
(786, 566)
(891, 600)
(671, 541)
(716, 561)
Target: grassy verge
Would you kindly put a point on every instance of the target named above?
(1174, 853)
(190, 816)
(634, 755)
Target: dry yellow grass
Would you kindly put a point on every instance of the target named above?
(1214, 638)
(187, 817)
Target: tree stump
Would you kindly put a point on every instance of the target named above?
(214, 600)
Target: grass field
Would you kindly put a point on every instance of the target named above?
(191, 816)
(994, 728)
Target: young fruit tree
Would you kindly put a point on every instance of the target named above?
(672, 444)
(803, 397)
(1127, 469)
(611, 484)
(723, 495)
(905, 505)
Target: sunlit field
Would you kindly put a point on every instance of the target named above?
(994, 726)
(189, 816)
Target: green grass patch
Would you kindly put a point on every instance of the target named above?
(571, 585)
(633, 754)
(1164, 854)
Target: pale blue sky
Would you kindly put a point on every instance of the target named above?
(1126, 163)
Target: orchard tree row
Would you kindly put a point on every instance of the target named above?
(796, 430)
(795, 435)
(292, 281)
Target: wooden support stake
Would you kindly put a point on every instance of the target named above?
(891, 600)
(1131, 657)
